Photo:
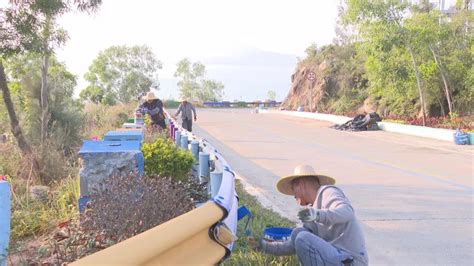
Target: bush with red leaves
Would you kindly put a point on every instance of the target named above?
(129, 206)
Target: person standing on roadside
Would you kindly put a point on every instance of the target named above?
(187, 110)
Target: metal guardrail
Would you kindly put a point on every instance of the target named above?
(227, 104)
(204, 235)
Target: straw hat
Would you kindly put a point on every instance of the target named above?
(150, 96)
(284, 183)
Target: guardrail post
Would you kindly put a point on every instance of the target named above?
(178, 138)
(171, 130)
(203, 167)
(184, 142)
(216, 180)
(173, 133)
(4, 220)
(195, 149)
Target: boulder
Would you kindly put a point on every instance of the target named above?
(40, 193)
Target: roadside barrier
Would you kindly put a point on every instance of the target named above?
(420, 131)
(4, 220)
(204, 235)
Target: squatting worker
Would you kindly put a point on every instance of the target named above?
(154, 108)
(331, 233)
(186, 109)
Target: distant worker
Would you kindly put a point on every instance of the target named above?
(186, 109)
(331, 233)
(154, 108)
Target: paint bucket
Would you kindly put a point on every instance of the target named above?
(461, 138)
(139, 119)
(277, 233)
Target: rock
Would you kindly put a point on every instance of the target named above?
(367, 107)
(40, 193)
(304, 92)
(97, 167)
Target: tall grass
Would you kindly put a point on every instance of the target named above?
(102, 118)
(33, 217)
(59, 165)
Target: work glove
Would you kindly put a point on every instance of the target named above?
(309, 215)
(257, 244)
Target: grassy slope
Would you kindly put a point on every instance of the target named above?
(242, 253)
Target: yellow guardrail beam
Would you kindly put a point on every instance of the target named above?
(182, 240)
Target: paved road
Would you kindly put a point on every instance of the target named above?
(414, 196)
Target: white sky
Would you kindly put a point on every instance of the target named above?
(201, 29)
(198, 29)
(205, 27)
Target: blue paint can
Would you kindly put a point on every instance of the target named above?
(277, 233)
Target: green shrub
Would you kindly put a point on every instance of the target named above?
(163, 158)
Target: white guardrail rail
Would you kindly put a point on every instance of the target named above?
(203, 236)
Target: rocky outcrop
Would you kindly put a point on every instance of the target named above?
(320, 95)
(306, 93)
(368, 106)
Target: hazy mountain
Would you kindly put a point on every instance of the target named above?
(247, 74)
(253, 57)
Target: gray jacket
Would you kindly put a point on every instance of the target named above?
(337, 225)
(186, 111)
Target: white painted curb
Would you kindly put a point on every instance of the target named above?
(427, 132)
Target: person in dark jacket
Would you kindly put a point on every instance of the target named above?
(154, 108)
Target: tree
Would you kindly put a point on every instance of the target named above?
(381, 21)
(429, 30)
(65, 114)
(271, 95)
(211, 90)
(30, 26)
(120, 73)
(192, 84)
(311, 51)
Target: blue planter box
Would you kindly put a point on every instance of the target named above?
(133, 125)
(104, 159)
(124, 135)
(4, 220)
(91, 147)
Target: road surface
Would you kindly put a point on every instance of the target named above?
(414, 196)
